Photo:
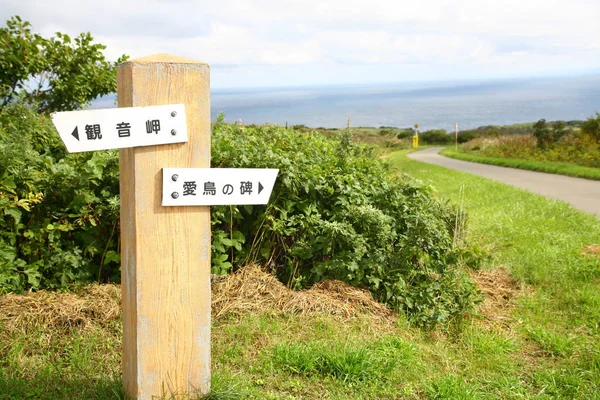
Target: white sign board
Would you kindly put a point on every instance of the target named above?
(217, 186)
(116, 128)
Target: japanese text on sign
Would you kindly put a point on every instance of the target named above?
(219, 186)
(121, 127)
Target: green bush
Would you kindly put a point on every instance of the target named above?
(591, 128)
(550, 142)
(435, 136)
(466, 136)
(335, 213)
(406, 133)
(60, 210)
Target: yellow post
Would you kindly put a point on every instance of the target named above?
(165, 252)
(415, 141)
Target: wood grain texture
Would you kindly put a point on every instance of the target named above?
(165, 251)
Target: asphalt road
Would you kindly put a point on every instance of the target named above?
(583, 194)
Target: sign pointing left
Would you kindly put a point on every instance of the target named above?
(116, 128)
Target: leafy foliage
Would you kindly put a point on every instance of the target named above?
(549, 142)
(591, 128)
(55, 74)
(436, 136)
(509, 130)
(336, 213)
(546, 134)
(59, 211)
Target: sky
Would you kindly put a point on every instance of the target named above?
(288, 43)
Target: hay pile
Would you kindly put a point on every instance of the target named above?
(90, 307)
(250, 290)
(253, 290)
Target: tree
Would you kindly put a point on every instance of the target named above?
(559, 130)
(542, 133)
(591, 127)
(55, 74)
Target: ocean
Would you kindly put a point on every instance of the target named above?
(432, 105)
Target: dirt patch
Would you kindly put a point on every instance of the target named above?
(250, 290)
(593, 250)
(499, 290)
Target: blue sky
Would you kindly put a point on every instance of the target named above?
(258, 43)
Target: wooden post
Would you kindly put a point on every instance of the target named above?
(456, 136)
(165, 251)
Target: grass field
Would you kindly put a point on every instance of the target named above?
(559, 168)
(535, 336)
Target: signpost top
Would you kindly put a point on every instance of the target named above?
(163, 58)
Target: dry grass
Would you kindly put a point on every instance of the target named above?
(253, 290)
(593, 250)
(250, 290)
(92, 306)
(500, 292)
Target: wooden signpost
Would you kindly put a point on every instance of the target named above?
(165, 218)
(165, 252)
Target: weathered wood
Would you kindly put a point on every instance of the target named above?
(165, 251)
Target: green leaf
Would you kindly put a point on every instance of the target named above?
(15, 213)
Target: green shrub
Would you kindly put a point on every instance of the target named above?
(591, 127)
(335, 213)
(435, 136)
(551, 142)
(466, 136)
(60, 210)
(406, 133)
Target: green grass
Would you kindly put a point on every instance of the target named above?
(547, 346)
(532, 165)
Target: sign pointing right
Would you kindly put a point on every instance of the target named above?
(217, 186)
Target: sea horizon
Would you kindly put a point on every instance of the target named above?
(431, 104)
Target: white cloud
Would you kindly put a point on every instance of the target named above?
(303, 42)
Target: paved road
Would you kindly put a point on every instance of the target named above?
(583, 194)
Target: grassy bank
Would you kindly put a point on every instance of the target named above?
(532, 165)
(535, 335)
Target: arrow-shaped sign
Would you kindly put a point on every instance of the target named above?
(116, 128)
(217, 186)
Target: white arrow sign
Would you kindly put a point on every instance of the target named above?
(217, 186)
(116, 128)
